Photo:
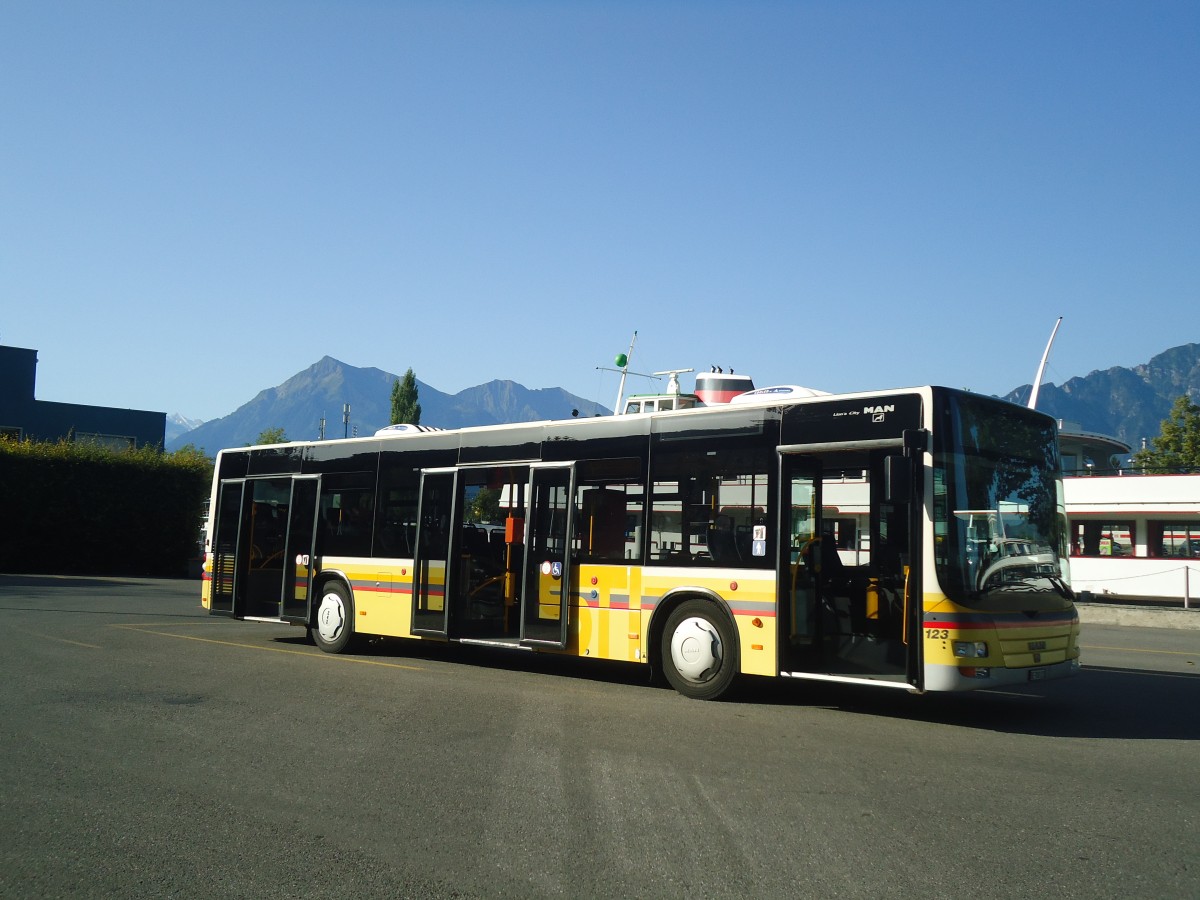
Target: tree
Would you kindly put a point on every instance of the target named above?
(405, 408)
(192, 453)
(272, 436)
(485, 506)
(1177, 448)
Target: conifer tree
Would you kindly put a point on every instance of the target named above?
(405, 408)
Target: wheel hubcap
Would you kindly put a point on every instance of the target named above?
(696, 649)
(331, 617)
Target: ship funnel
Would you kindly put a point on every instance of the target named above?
(715, 388)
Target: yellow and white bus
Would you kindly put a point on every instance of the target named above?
(701, 542)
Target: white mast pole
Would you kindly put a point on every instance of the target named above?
(624, 372)
(1037, 381)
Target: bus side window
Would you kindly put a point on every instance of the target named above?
(610, 498)
(346, 522)
(708, 503)
(601, 528)
(396, 526)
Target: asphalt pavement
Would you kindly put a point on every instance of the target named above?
(152, 750)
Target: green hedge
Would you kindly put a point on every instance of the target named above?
(84, 510)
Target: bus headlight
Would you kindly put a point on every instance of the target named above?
(970, 649)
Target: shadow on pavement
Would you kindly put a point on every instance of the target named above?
(1100, 703)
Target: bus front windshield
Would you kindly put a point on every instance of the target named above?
(999, 520)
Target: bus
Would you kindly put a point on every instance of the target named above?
(912, 539)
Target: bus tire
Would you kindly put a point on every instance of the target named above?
(333, 624)
(699, 653)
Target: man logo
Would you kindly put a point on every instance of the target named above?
(878, 413)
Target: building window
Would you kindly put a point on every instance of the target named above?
(1103, 539)
(1177, 539)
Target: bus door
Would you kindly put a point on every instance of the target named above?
(298, 549)
(226, 535)
(489, 558)
(262, 547)
(800, 554)
(546, 588)
(848, 618)
(433, 577)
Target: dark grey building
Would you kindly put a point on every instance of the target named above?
(23, 417)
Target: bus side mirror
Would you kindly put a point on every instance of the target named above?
(897, 479)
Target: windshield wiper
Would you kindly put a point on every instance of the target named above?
(1061, 586)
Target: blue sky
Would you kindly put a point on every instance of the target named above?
(200, 199)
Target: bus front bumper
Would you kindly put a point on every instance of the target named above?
(978, 678)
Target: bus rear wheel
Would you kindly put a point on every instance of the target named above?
(699, 656)
(333, 625)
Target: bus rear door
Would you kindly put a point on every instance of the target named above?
(226, 535)
(262, 547)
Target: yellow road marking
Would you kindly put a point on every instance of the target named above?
(1136, 650)
(308, 653)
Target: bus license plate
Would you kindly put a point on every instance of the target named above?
(1037, 674)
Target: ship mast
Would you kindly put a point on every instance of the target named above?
(623, 361)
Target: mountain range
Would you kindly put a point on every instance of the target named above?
(299, 405)
(1129, 404)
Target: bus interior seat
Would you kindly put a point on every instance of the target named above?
(722, 546)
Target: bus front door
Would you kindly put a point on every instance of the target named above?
(841, 599)
(546, 588)
(799, 587)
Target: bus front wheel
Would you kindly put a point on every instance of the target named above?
(333, 625)
(699, 656)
